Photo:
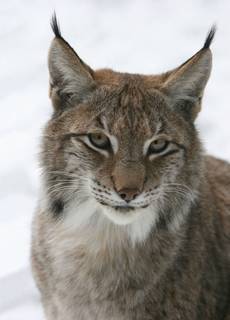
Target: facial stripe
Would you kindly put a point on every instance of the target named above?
(113, 139)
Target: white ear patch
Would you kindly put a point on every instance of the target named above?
(67, 71)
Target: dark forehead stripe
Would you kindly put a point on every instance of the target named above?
(131, 107)
(131, 95)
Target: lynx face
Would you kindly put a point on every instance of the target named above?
(125, 144)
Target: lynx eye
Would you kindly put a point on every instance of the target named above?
(99, 140)
(158, 146)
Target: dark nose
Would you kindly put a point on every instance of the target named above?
(128, 194)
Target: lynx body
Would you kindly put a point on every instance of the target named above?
(133, 222)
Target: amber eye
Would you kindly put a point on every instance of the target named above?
(99, 140)
(158, 146)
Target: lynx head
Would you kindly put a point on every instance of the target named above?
(124, 143)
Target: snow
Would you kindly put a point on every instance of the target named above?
(137, 36)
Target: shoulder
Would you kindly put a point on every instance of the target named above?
(218, 171)
(218, 177)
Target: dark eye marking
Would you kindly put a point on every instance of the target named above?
(73, 135)
(97, 139)
(78, 138)
(173, 151)
(158, 146)
(179, 145)
(170, 152)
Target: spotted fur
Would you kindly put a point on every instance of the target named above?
(124, 233)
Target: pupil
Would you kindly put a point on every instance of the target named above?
(99, 137)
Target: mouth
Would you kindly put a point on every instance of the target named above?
(123, 208)
(123, 215)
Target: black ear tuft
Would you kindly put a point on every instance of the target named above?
(55, 26)
(210, 37)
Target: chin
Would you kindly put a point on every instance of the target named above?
(123, 216)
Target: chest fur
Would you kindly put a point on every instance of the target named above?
(102, 273)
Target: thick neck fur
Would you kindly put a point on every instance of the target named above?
(98, 260)
(154, 238)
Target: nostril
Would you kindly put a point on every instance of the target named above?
(128, 194)
(134, 196)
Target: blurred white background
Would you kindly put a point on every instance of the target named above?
(136, 36)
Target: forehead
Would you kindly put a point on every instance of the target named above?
(130, 109)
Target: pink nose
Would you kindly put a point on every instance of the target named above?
(128, 194)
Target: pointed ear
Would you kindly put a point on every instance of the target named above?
(71, 80)
(185, 85)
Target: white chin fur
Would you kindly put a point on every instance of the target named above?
(98, 219)
(137, 224)
(122, 218)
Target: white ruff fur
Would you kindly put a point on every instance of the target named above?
(107, 222)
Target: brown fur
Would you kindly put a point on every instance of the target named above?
(165, 255)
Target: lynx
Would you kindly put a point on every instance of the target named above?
(133, 222)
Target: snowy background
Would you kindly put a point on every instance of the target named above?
(135, 36)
